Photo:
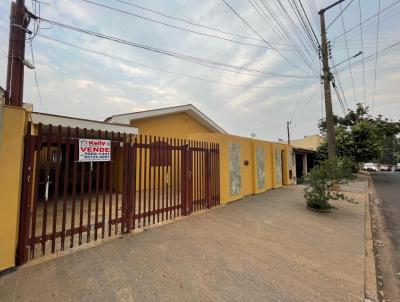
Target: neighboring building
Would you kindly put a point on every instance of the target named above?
(308, 142)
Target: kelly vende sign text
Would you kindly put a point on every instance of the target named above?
(94, 150)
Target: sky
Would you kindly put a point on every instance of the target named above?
(84, 84)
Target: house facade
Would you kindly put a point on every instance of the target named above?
(164, 163)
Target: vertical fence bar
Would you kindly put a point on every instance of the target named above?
(25, 209)
(150, 183)
(89, 213)
(65, 186)
(154, 165)
(74, 181)
(110, 183)
(162, 160)
(170, 181)
(37, 167)
(118, 148)
(56, 188)
(131, 187)
(96, 217)
(47, 189)
(144, 147)
(166, 179)
(137, 165)
(183, 177)
(175, 163)
(212, 171)
(158, 160)
(218, 176)
(81, 205)
(215, 175)
(103, 210)
(125, 184)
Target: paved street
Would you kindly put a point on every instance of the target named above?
(267, 247)
(387, 186)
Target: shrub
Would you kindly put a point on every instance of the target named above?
(323, 181)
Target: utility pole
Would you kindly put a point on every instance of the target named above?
(19, 21)
(327, 77)
(288, 131)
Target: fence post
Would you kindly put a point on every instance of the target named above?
(183, 179)
(23, 238)
(207, 176)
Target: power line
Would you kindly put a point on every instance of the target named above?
(298, 100)
(180, 56)
(340, 14)
(373, 55)
(35, 76)
(187, 21)
(253, 30)
(300, 33)
(376, 57)
(309, 23)
(362, 49)
(304, 108)
(278, 28)
(156, 68)
(367, 20)
(348, 56)
(177, 27)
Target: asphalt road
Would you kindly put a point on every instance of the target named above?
(387, 187)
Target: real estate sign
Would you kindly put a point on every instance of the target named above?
(94, 150)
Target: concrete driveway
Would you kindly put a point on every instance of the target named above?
(267, 247)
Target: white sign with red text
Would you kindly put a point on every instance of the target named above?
(94, 150)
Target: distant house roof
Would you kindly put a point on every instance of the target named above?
(72, 122)
(188, 109)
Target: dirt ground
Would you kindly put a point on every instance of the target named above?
(267, 247)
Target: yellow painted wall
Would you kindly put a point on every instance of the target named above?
(178, 125)
(248, 172)
(12, 128)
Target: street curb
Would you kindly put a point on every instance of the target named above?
(370, 282)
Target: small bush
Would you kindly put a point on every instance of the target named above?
(322, 181)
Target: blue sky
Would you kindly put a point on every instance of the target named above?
(77, 83)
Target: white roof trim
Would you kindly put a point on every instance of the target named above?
(72, 122)
(189, 109)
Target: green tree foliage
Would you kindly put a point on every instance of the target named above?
(363, 138)
(322, 181)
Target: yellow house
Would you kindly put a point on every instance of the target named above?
(247, 166)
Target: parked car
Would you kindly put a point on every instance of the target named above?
(385, 168)
(370, 167)
(397, 167)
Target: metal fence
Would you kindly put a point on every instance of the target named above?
(67, 203)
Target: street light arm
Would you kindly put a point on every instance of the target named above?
(329, 7)
(355, 56)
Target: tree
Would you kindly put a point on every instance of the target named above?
(362, 137)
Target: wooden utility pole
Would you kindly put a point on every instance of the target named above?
(16, 54)
(288, 132)
(327, 77)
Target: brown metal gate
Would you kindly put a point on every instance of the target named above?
(67, 203)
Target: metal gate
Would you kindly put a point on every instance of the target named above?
(67, 203)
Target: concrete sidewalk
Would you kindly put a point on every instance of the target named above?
(267, 247)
